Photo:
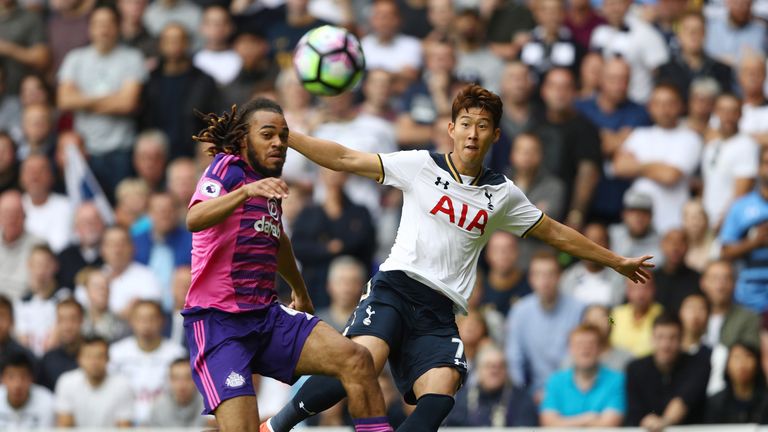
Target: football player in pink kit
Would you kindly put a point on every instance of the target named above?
(234, 324)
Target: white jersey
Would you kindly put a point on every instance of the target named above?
(447, 219)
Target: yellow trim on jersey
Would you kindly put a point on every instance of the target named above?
(532, 227)
(381, 165)
(452, 168)
(477, 179)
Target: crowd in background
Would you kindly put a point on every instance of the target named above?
(641, 124)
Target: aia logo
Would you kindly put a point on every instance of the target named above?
(445, 205)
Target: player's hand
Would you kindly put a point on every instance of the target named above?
(635, 268)
(270, 187)
(302, 303)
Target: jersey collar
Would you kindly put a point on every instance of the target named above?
(455, 173)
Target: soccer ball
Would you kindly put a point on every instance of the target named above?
(329, 60)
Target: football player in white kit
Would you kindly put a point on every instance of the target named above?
(451, 205)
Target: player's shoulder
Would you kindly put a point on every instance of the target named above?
(224, 163)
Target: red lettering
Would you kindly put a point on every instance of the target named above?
(445, 205)
(463, 217)
(481, 218)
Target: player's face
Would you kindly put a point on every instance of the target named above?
(267, 139)
(472, 134)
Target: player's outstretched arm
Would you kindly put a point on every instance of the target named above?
(286, 266)
(571, 241)
(335, 156)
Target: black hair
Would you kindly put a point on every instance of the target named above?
(227, 131)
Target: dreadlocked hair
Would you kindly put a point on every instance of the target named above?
(225, 132)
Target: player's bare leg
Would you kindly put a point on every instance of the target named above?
(434, 392)
(320, 393)
(326, 352)
(238, 414)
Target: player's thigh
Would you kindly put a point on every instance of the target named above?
(441, 380)
(238, 414)
(327, 352)
(378, 348)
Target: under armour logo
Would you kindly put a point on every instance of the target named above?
(370, 312)
(438, 182)
(489, 196)
(301, 407)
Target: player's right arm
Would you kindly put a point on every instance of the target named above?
(205, 214)
(335, 156)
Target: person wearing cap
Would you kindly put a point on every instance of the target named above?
(635, 232)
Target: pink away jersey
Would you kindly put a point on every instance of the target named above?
(234, 263)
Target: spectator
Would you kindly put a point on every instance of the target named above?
(744, 236)
(386, 48)
(23, 46)
(37, 131)
(698, 234)
(551, 44)
(258, 72)
(23, 405)
(343, 123)
(217, 58)
(36, 313)
(103, 102)
(636, 234)
(129, 280)
(474, 61)
(440, 15)
(180, 181)
(10, 108)
(89, 396)
(493, 401)
(615, 116)
(633, 322)
(691, 61)
(587, 394)
(538, 326)
(131, 208)
(145, 357)
(745, 398)
(323, 232)
(9, 166)
(736, 34)
(474, 333)
(729, 163)
(160, 14)
(518, 115)
(674, 279)
(99, 320)
(573, 144)
(68, 337)
(728, 322)
(509, 26)
(694, 314)
(8, 344)
(754, 112)
(666, 16)
(89, 230)
(132, 30)
(590, 74)
(181, 404)
(377, 91)
(174, 90)
(48, 214)
(701, 103)
(67, 28)
(35, 90)
(150, 157)
(174, 330)
(634, 40)
(291, 22)
(591, 283)
(581, 20)
(661, 158)
(16, 246)
(346, 278)
(667, 387)
(506, 281)
(599, 316)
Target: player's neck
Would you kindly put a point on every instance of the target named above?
(471, 170)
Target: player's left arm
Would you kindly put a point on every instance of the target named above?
(571, 241)
(286, 266)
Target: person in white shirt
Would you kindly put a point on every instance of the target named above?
(16, 244)
(89, 396)
(49, 215)
(386, 48)
(217, 58)
(729, 163)
(144, 358)
(129, 280)
(754, 111)
(635, 41)
(661, 158)
(23, 405)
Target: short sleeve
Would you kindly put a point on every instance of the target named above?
(221, 177)
(686, 154)
(654, 49)
(521, 216)
(400, 169)
(135, 70)
(731, 232)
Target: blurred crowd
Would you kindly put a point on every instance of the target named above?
(642, 124)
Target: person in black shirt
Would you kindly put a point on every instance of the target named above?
(745, 398)
(667, 387)
(674, 279)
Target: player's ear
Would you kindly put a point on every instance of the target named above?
(451, 127)
(496, 134)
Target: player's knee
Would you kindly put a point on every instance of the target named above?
(358, 362)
